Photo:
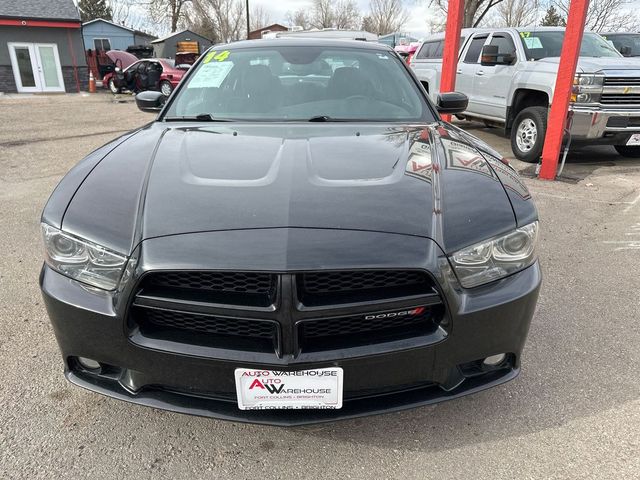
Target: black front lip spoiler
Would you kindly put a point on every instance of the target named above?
(226, 410)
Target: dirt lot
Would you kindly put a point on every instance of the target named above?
(574, 412)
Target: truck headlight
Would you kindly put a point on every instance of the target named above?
(586, 88)
(496, 258)
(82, 260)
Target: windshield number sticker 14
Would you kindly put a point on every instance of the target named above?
(219, 57)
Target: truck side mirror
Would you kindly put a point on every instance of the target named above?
(150, 101)
(489, 56)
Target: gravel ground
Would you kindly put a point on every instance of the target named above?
(574, 412)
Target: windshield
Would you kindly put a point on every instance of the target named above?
(545, 44)
(632, 41)
(300, 83)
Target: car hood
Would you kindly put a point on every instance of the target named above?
(168, 179)
(126, 58)
(595, 64)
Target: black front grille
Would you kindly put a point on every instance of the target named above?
(233, 288)
(210, 330)
(325, 288)
(238, 282)
(364, 329)
(288, 312)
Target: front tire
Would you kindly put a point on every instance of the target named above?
(628, 151)
(112, 86)
(166, 88)
(528, 132)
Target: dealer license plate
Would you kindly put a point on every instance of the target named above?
(302, 389)
(634, 139)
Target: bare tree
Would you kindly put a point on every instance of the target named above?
(346, 14)
(341, 14)
(298, 18)
(173, 11)
(321, 14)
(517, 13)
(259, 17)
(385, 16)
(606, 15)
(220, 20)
(474, 10)
(133, 14)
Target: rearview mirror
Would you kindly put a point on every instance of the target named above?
(452, 102)
(490, 57)
(150, 101)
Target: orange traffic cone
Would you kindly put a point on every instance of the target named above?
(92, 83)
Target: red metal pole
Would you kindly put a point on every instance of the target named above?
(455, 15)
(562, 93)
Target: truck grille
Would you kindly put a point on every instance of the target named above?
(619, 99)
(617, 96)
(284, 313)
(622, 81)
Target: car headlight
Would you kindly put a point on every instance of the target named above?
(82, 260)
(496, 258)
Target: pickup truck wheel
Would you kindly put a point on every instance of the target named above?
(627, 151)
(527, 134)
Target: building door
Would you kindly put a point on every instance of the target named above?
(36, 67)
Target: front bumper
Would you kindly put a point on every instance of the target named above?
(485, 321)
(386, 374)
(612, 127)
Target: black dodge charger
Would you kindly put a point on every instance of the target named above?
(298, 237)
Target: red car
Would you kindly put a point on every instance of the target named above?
(158, 74)
(407, 51)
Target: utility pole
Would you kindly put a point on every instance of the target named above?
(247, 6)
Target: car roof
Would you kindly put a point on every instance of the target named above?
(292, 41)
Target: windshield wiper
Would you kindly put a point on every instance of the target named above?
(327, 118)
(202, 117)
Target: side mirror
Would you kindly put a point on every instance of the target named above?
(452, 102)
(150, 101)
(625, 50)
(489, 56)
(117, 69)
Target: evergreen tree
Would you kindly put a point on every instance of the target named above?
(92, 9)
(553, 19)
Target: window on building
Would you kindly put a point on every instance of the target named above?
(102, 44)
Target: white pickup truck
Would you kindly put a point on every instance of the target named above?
(509, 76)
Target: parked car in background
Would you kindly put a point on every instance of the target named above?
(327, 33)
(628, 44)
(116, 60)
(407, 51)
(509, 76)
(158, 74)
